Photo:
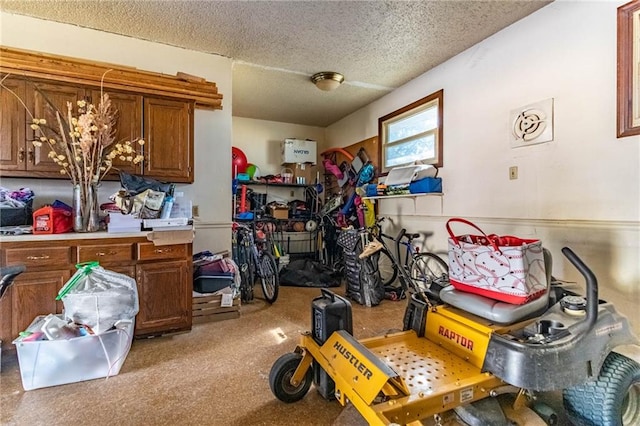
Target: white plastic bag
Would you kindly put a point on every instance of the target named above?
(99, 298)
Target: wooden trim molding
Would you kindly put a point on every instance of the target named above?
(79, 71)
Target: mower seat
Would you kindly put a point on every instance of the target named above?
(497, 311)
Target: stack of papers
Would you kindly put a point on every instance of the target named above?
(119, 223)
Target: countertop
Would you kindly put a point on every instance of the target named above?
(71, 236)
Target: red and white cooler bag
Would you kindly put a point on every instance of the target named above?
(505, 268)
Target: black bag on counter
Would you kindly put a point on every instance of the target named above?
(135, 184)
(16, 216)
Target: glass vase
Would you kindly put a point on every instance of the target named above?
(85, 208)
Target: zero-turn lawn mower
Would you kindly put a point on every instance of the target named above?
(466, 359)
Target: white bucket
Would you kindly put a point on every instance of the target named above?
(283, 261)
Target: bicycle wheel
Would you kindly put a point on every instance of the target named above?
(388, 273)
(426, 267)
(246, 289)
(247, 274)
(269, 277)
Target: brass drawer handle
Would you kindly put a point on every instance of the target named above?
(110, 253)
(160, 251)
(44, 256)
(21, 155)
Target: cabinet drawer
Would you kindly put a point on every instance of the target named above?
(149, 251)
(106, 253)
(39, 257)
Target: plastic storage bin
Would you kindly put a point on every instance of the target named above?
(212, 283)
(57, 362)
(426, 185)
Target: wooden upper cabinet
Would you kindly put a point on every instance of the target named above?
(165, 124)
(128, 109)
(168, 126)
(46, 98)
(13, 142)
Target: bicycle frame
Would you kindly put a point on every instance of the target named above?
(402, 268)
(255, 260)
(250, 243)
(410, 249)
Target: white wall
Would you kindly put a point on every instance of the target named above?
(260, 141)
(212, 187)
(581, 190)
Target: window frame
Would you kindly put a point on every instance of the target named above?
(406, 110)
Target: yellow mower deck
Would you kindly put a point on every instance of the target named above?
(402, 378)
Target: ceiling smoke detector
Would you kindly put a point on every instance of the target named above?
(327, 80)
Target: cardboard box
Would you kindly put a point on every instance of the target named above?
(303, 173)
(298, 151)
(279, 212)
(119, 222)
(168, 237)
(46, 363)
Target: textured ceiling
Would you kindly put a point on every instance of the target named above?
(277, 45)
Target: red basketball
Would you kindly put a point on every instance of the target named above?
(238, 161)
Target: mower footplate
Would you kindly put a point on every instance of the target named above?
(419, 377)
(438, 380)
(426, 367)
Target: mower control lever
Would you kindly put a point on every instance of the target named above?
(592, 289)
(7, 275)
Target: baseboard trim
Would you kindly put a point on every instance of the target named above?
(211, 225)
(546, 223)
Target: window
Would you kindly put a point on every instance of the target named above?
(412, 133)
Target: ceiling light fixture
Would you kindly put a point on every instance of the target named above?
(327, 80)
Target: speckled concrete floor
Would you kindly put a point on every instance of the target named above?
(215, 375)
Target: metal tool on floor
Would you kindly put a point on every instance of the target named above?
(469, 359)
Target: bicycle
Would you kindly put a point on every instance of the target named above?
(422, 267)
(255, 260)
(329, 252)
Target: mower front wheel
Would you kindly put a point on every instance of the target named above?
(280, 378)
(612, 400)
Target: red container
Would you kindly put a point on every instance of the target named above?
(52, 220)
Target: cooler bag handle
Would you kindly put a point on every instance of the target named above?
(491, 239)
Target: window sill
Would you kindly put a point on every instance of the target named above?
(382, 197)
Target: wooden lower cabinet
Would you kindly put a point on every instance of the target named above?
(33, 294)
(164, 306)
(163, 275)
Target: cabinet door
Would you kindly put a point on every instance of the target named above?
(128, 108)
(13, 143)
(33, 294)
(58, 95)
(168, 127)
(165, 292)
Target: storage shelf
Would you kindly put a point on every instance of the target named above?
(381, 197)
(283, 185)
